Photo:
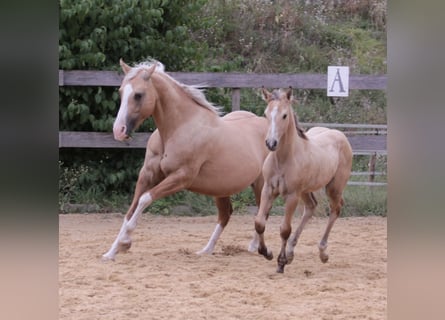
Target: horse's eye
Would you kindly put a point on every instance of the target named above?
(137, 96)
(285, 116)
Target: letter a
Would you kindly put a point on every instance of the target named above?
(337, 78)
(338, 81)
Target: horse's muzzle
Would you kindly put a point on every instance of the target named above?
(121, 133)
(272, 144)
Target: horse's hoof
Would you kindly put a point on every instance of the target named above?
(266, 253)
(324, 257)
(290, 257)
(203, 251)
(107, 257)
(252, 247)
(280, 269)
(124, 246)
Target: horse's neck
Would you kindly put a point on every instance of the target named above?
(173, 106)
(291, 144)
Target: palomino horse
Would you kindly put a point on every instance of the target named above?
(193, 148)
(299, 164)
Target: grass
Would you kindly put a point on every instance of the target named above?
(360, 201)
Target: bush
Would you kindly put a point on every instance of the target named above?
(95, 34)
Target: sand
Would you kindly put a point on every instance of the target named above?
(161, 277)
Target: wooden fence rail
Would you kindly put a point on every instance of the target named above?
(227, 80)
(361, 144)
(365, 139)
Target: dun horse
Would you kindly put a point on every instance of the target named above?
(193, 148)
(299, 164)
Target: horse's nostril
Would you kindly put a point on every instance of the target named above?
(271, 144)
(123, 128)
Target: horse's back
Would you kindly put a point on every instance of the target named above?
(328, 137)
(245, 130)
(237, 115)
(332, 142)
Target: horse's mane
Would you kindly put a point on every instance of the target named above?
(276, 95)
(300, 130)
(193, 92)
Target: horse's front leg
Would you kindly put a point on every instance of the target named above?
(173, 183)
(149, 176)
(267, 199)
(286, 229)
(123, 240)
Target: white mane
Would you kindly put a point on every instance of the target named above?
(193, 92)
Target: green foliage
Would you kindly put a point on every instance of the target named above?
(364, 201)
(95, 34)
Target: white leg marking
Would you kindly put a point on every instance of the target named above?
(128, 226)
(208, 249)
(255, 243)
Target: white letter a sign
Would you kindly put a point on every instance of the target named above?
(338, 81)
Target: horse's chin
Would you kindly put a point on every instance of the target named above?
(122, 137)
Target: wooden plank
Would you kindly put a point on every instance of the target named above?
(367, 82)
(70, 139)
(61, 78)
(345, 125)
(92, 78)
(228, 80)
(236, 99)
(367, 173)
(369, 184)
(368, 143)
(78, 139)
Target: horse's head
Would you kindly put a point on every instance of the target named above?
(137, 104)
(278, 113)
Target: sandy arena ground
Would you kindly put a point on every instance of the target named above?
(162, 278)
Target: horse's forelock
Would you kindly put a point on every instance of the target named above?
(144, 66)
(277, 94)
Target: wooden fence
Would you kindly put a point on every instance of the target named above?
(365, 139)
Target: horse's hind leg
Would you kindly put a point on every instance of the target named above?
(256, 187)
(335, 202)
(310, 203)
(224, 212)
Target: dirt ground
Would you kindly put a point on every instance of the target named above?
(161, 277)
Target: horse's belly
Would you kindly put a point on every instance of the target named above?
(226, 179)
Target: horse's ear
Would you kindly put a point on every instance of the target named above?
(147, 74)
(266, 94)
(125, 67)
(289, 95)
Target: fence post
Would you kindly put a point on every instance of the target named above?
(236, 97)
(371, 166)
